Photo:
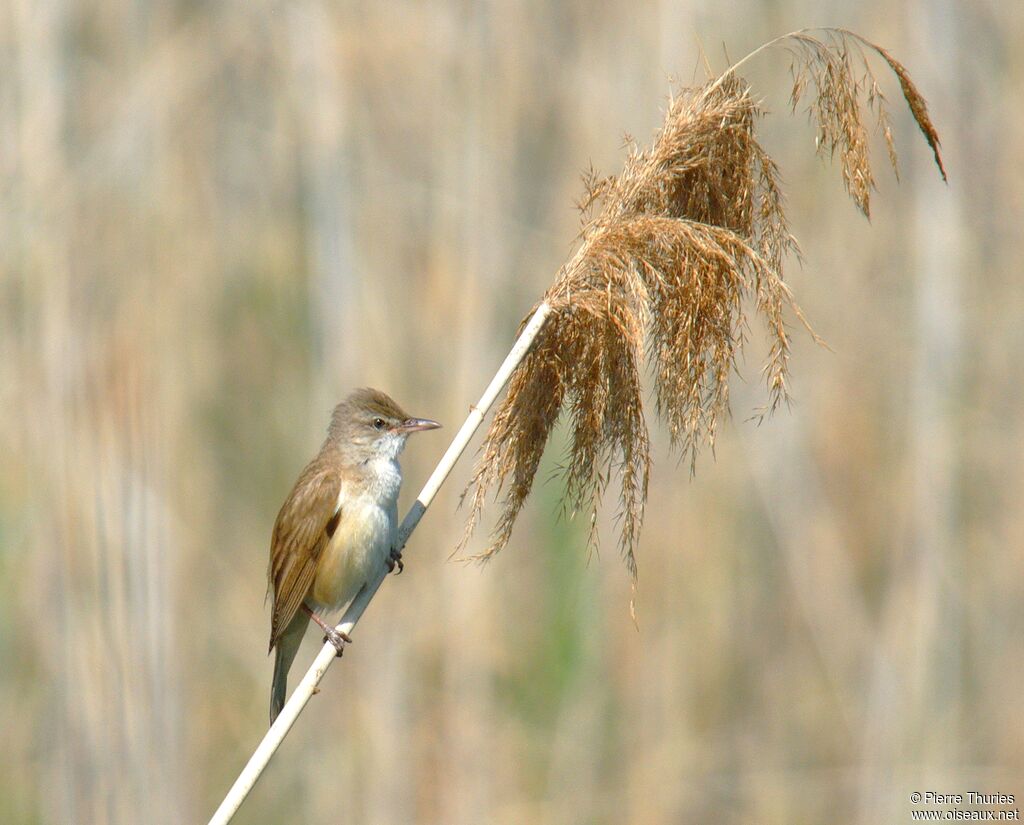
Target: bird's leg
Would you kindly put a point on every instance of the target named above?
(333, 636)
(395, 560)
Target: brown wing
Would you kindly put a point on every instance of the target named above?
(303, 527)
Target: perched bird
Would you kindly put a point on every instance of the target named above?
(337, 528)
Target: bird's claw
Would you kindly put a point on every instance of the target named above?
(338, 640)
(395, 560)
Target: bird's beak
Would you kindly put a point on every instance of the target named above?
(414, 425)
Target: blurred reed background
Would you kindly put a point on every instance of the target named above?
(218, 218)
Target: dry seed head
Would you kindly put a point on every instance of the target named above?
(669, 251)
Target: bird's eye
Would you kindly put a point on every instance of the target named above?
(378, 423)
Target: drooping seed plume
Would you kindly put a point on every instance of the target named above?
(670, 252)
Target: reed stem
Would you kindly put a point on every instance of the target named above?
(273, 738)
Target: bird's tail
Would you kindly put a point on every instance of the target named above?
(284, 654)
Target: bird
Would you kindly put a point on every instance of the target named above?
(337, 529)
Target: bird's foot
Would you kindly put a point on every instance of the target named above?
(395, 560)
(337, 639)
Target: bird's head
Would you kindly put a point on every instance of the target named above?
(369, 424)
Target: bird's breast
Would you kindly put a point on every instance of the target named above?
(357, 551)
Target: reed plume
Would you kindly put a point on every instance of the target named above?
(669, 253)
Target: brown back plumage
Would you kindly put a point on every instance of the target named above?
(303, 527)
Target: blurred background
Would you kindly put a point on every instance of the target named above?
(218, 218)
